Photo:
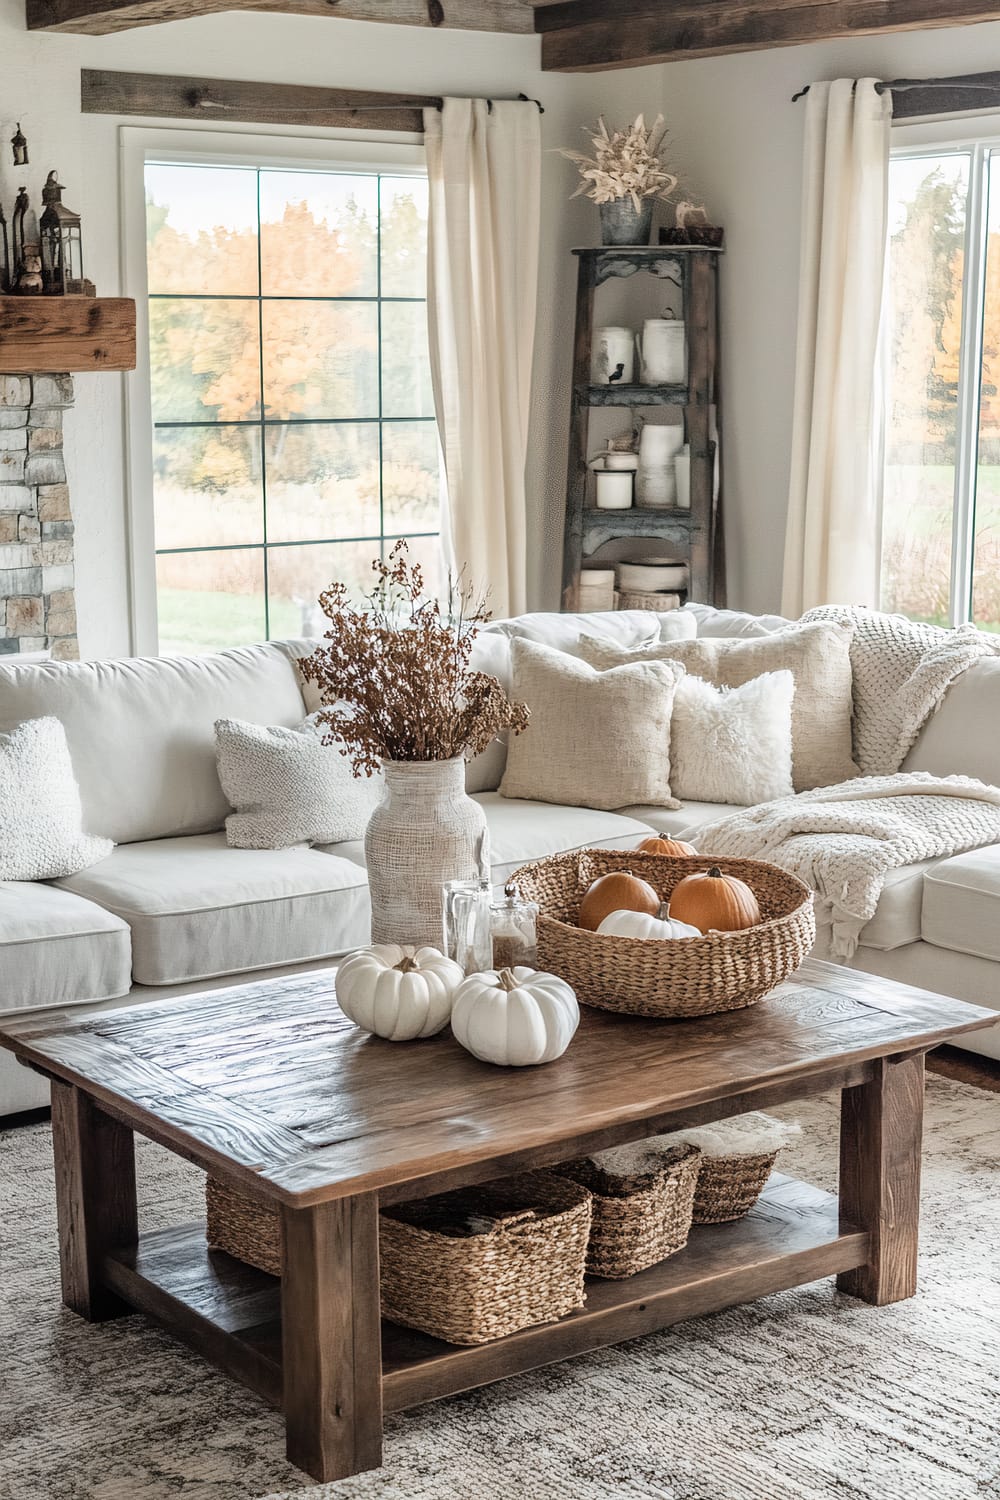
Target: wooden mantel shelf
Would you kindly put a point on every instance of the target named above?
(66, 335)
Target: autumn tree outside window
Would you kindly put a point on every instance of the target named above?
(293, 427)
(941, 515)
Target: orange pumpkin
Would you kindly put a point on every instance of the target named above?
(619, 890)
(714, 902)
(674, 847)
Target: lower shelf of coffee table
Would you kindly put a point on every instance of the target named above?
(231, 1313)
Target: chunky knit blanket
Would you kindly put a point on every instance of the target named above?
(843, 840)
(901, 673)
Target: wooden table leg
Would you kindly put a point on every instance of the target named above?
(880, 1132)
(331, 1334)
(95, 1198)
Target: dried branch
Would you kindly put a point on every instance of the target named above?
(394, 674)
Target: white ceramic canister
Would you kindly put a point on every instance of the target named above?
(659, 444)
(597, 589)
(656, 488)
(612, 362)
(662, 352)
(682, 469)
(614, 489)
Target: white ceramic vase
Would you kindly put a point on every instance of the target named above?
(426, 830)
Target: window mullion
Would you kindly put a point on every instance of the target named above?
(969, 388)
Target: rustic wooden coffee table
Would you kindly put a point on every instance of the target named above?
(270, 1088)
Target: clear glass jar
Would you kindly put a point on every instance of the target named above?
(514, 930)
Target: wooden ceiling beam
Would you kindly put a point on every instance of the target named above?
(580, 36)
(99, 17)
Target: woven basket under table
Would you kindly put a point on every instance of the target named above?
(467, 1266)
(729, 1186)
(639, 1220)
(674, 977)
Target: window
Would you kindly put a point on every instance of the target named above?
(293, 432)
(941, 517)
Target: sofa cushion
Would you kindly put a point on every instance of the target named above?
(682, 822)
(733, 622)
(57, 949)
(524, 831)
(141, 731)
(961, 905)
(963, 737)
(626, 627)
(897, 919)
(197, 908)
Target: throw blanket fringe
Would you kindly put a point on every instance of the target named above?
(843, 840)
(901, 671)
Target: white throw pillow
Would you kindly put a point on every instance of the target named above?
(41, 819)
(596, 739)
(817, 655)
(733, 744)
(286, 787)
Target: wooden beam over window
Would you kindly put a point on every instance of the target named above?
(160, 96)
(98, 17)
(581, 36)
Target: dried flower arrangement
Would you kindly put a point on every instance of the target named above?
(395, 672)
(625, 164)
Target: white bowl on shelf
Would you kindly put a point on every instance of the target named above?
(653, 575)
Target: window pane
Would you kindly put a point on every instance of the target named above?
(318, 234)
(296, 576)
(321, 359)
(410, 494)
(201, 229)
(927, 198)
(209, 600)
(426, 551)
(404, 236)
(207, 486)
(406, 372)
(986, 558)
(204, 360)
(322, 481)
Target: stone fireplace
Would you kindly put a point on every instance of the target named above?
(37, 606)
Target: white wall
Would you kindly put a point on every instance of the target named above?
(739, 138)
(39, 85)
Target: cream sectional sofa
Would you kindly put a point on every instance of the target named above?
(173, 909)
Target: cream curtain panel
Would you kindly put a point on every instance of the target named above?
(483, 168)
(834, 504)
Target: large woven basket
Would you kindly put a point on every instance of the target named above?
(641, 1218)
(479, 1263)
(467, 1266)
(674, 977)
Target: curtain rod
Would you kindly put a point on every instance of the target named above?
(196, 98)
(988, 83)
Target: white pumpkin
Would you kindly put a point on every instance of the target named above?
(515, 1017)
(636, 924)
(398, 993)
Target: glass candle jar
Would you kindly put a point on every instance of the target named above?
(514, 930)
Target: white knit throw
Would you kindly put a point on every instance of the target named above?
(843, 840)
(901, 671)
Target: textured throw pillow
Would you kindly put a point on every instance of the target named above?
(818, 657)
(41, 819)
(286, 787)
(596, 739)
(733, 744)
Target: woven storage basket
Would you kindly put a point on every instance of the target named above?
(638, 1218)
(667, 977)
(729, 1186)
(476, 1264)
(737, 1157)
(468, 1266)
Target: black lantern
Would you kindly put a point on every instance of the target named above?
(17, 235)
(20, 146)
(62, 244)
(6, 276)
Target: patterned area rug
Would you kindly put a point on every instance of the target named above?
(803, 1396)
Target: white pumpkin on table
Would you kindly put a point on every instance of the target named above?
(515, 1017)
(398, 993)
